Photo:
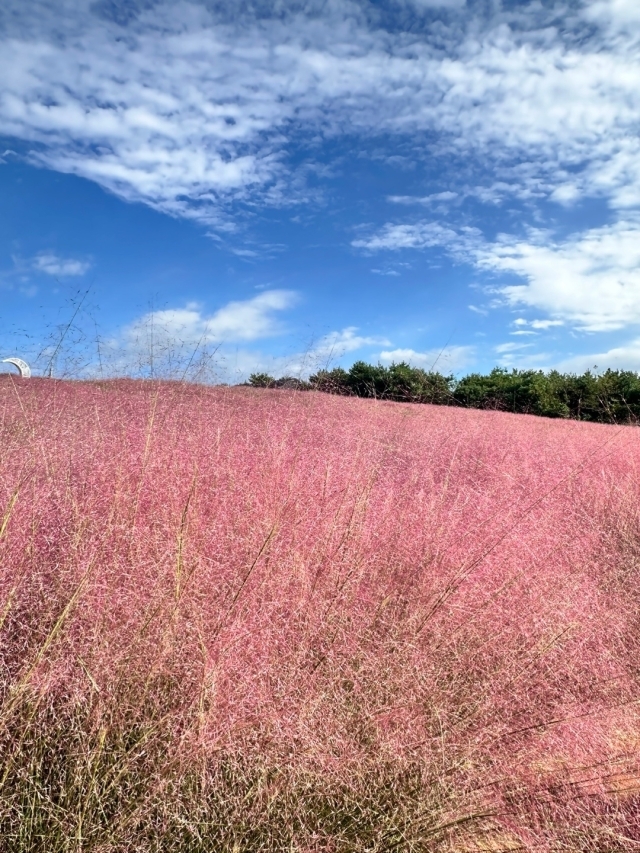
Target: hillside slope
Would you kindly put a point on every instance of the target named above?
(239, 619)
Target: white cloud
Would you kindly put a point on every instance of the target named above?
(625, 357)
(177, 342)
(422, 235)
(51, 264)
(566, 193)
(394, 273)
(448, 359)
(334, 345)
(447, 195)
(184, 331)
(541, 325)
(247, 320)
(186, 107)
(590, 280)
(324, 353)
(617, 14)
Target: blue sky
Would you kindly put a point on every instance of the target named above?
(283, 186)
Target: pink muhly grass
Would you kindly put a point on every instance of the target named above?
(410, 627)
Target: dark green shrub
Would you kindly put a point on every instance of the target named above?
(292, 383)
(416, 385)
(368, 380)
(261, 380)
(334, 381)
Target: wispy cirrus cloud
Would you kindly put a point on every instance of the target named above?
(509, 347)
(420, 235)
(187, 105)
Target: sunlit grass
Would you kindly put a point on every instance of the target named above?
(238, 619)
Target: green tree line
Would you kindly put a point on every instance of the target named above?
(609, 397)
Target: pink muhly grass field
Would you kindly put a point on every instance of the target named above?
(239, 619)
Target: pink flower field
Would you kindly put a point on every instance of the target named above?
(256, 620)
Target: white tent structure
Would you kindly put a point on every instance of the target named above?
(23, 367)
